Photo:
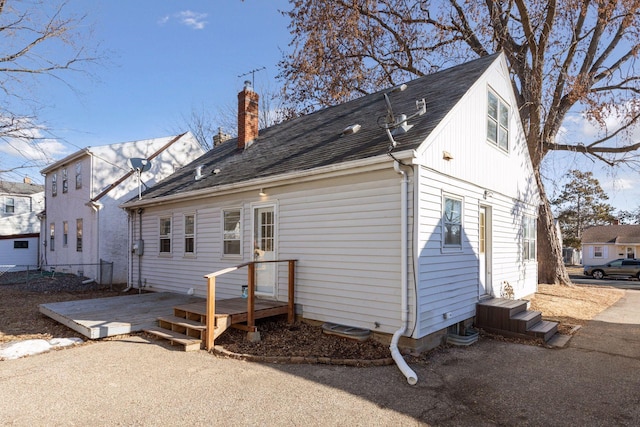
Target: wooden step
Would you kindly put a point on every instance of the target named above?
(496, 313)
(543, 329)
(523, 321)
(188, 327)
(176, 338)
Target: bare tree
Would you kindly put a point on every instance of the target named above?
(39, 42)
(575, 56)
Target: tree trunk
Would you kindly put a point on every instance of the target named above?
(551, 268)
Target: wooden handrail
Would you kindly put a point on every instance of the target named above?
(251, 285)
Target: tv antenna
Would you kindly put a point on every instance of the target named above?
(253, 75)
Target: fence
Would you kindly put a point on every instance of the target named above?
(26, 272)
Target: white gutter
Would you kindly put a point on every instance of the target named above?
(412, 378)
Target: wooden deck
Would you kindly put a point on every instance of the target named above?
(237, 309)
(105, 317)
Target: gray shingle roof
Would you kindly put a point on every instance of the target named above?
(20, 188)
(620, 234)
(315, 140)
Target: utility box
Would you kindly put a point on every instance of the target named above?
(138, 247)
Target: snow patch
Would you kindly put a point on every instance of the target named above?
(18, 349)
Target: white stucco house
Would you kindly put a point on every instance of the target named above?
(82, 223)
(604, 243)
(20, 203)
(396, 224)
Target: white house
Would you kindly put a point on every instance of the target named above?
(397, 226)
(83, 224)
(604, 243)
(20, 203)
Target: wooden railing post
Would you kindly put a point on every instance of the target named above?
(251, 297)
(291, 303)
(211, 312)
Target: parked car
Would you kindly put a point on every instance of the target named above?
(623, 267)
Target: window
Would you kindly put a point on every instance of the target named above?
(529, 241)
(597, 251)
(52, 237)
(497, 122)
(65, 233)
(452, 222)
(165, 235)
(54, 185)
(232, 232)
(79, 235)
(189, 234)
(21, 244)
(9, 205)
(65, 181)
(78, 176)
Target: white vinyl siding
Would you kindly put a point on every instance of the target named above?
(343, 233)
(448, 282)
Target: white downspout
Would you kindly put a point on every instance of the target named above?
(412, 378)
(130, 224)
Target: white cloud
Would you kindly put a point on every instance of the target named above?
(192, 19)
(43, 150)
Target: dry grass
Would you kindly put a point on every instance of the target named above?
(574, 305)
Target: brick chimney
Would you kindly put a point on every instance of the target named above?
(27, 180)
(247, 115)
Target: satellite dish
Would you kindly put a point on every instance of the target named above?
(141, 165)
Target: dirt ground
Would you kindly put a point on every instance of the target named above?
(20, 318)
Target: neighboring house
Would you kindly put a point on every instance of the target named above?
(20, 203)
(82, 223)
(603, 243)
(418, 224)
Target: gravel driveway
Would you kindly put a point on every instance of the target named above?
(136, 382)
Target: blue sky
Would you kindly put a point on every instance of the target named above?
(165, 58)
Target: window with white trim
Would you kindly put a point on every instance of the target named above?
(78, 176)
(52, 237)
(452, 222)
(65, 181)
(497, 121)
(598, 252)
(9, 205)
(165, 235)
(79, 228)
(232, 232)
(65, 233)
(189, 234)
(54, 185)
(529, 238)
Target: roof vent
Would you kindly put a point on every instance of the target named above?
(350, 130)
(199, 173)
